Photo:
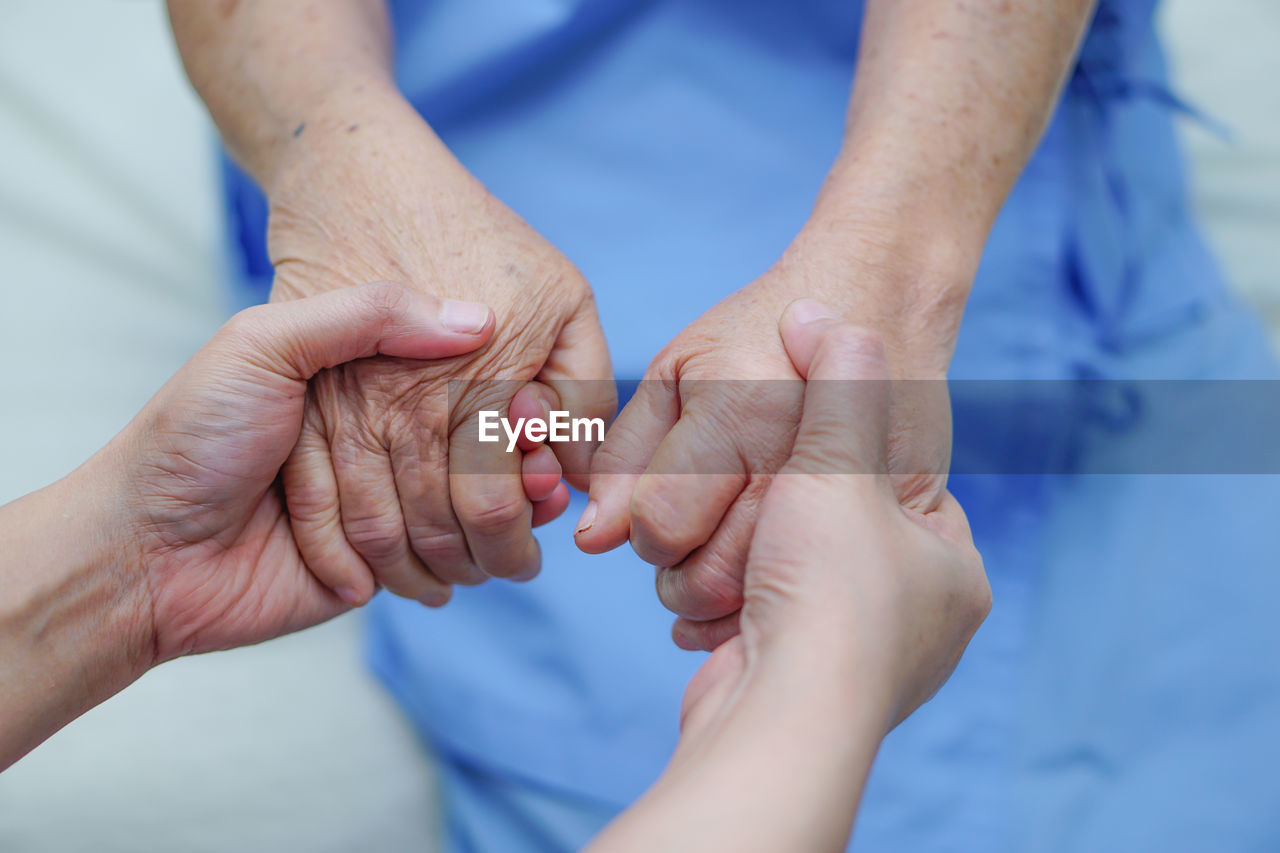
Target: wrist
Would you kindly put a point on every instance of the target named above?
(918, 188)
(822, 669)
(794, 742)
(75, 617)
(883, 273)
(103, 559)
(333, 133)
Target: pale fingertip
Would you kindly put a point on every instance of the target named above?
(350, 596)
(435, 599)
(548, 510)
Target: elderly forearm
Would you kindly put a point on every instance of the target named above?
(74, 620)
(270, 70)
(949, 103)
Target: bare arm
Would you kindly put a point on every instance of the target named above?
(172, 539)
(856, 612)
(361, 189)
(73, 613)
(271, 73)
(950, 101)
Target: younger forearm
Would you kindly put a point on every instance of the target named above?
(73, 614)
(271, 71)
(780, 767)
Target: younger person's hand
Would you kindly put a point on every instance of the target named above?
(194, 478)
(838, 570)
(856, 610)
(174, 539)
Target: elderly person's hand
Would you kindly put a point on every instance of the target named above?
(722, 402)
(174, 539)
(388, 473)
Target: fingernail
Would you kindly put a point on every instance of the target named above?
(811, 311)
(466, 318)
(588, 517)
(434, 600)
(348, 595)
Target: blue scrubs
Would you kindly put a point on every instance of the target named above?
(1122, 694)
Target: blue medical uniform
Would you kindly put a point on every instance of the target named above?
(1123, 693)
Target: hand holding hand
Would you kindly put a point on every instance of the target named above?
(388, 484)
(717, 404)
(193, 479)
(841, 578)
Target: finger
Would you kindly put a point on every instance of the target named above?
(373, 522)
(534, 400)
(540, 473)
(579, 371)
(695, 474)
(627, 449)
(845, 425)
(300, 338)
(548, 510)
(708, 584)
(705, 636)
(420, 461)
(489, 500)
(311, 494)
(801, 327)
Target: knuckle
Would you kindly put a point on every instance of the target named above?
(520, 567)
(700, 592)
(385, 297)
(435, 544)
(377, 539)
(495, 516)
(309, 508)
(657, 534)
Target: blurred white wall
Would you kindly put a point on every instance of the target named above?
(1226, 61)
(108, 236)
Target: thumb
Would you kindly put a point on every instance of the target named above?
(298, 339)
(845, 425)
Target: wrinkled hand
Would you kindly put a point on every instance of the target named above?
(838, 569)
(388, 484)
(200, 509)
(684, 469)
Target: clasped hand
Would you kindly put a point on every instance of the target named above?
(209, 537)
(382, 487)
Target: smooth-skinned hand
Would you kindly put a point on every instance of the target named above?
(838, 569)
(192, 483)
